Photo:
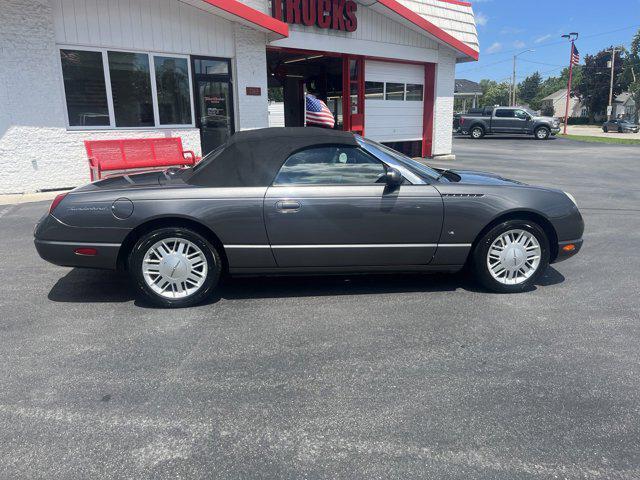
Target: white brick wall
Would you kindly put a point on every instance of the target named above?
(251, 71)
(36, 150)
(443, 116)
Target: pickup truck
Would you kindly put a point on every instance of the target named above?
(514, 120)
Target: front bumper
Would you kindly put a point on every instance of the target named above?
(555, 130)
(563, 253)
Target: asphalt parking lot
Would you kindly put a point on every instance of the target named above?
(377, 377)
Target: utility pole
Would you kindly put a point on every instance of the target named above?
(613, 63)
(572, 37)
(513, 95)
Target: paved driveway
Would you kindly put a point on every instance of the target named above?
(378, 377)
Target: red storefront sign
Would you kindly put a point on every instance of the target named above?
(334, 14)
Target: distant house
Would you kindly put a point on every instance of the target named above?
(467, 92)
(558, 100)
(624, 106)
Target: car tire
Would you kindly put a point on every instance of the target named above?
(476, 132)
(529, 248)
(620, 130)
(605, 129)
(174, 267)
(542, 133)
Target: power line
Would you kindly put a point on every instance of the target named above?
(558, 42)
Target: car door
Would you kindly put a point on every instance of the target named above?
(521, 121)
(503, 121)
(329, 207)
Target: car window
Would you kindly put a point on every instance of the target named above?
(331, 165)
(504, 113)
(522, 114)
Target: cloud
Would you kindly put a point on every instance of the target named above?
(543, 38)
(481, 19)
(519, 44)
(511, 31)
(495, 47)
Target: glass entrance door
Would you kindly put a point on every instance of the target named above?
(213, 101)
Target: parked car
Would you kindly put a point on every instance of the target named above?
(620, 126)
(307, 200)
(514, 120)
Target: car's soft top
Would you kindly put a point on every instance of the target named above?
(252, 158)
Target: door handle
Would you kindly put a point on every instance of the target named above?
(288, 205)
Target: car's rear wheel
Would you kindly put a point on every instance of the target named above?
(174, 267)
(477, 132)
(542, 133)
(511, 256)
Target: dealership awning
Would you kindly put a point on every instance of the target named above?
(405, 16)
(235, 11)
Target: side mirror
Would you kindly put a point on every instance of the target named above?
(393, 178)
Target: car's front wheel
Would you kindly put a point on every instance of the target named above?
(511, 256)
(542, 133)
(605, 129)
(174, 267)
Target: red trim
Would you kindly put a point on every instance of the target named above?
(251, 15)
(428, 109)
(428, 27)
(457, 2)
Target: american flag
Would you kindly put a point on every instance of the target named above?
(318, 113)
(575, 55)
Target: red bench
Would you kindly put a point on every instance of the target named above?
(139, 153)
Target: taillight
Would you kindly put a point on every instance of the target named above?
(56, 201)
(461, 120)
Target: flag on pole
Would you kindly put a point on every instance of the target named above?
(575, 55)
(317, 112)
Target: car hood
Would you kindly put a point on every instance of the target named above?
(547, 119)
(474, 177)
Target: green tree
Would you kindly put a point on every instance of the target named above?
(593, 86)
(529, 88)
(494, 93)
(631, 71)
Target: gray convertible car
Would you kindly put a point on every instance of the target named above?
(307, 200)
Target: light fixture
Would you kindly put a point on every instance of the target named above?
(303, 59)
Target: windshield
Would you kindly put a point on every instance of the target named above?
(414, 166)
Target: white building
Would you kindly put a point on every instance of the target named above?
(558, 102)
(75, 70)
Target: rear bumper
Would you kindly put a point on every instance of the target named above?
(63, 254)
(564, 254)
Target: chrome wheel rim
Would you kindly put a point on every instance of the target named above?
(476, 132)
(174, 268)
(514, 257)
(542, 134)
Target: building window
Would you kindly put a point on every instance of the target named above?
(374, 90)
(137, 90)
(85, 89)
(172, 84)
(131, 89)
(414, 91)
(395, 91)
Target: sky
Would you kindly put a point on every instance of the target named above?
(507, 27)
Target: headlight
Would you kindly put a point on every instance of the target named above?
(572, 198)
